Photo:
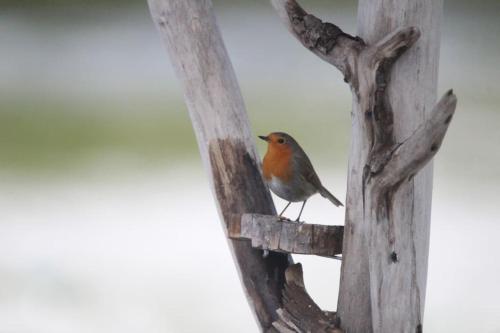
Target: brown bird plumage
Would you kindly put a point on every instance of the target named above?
(289, 172)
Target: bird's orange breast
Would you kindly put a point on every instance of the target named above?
(277, 163)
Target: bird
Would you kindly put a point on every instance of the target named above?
(289, 173)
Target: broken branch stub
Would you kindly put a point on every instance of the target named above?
(412, 154)
(299, 313)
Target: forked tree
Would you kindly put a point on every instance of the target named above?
(391, 67)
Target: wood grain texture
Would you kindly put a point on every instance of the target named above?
(413, 153)
(387, 233)
(268, 232)
(189, 30)
(299, 313)
(392, 71)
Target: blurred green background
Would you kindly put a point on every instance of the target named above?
(103, 192)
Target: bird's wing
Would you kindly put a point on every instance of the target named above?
(307, 171)
(309, 175)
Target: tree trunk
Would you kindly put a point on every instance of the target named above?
(221, 125)
(393, 77)
(384, 271)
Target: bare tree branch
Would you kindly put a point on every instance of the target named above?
(324, 39)
(381, 57)
(394, 44)
(413, 154)
(268, 232)
(374, 72)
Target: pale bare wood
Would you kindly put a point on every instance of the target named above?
(189, 30)
(390, 258)
(269, 232)
(386, 235)
(413, 153)
(398, 246)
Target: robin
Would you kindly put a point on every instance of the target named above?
(289, 172)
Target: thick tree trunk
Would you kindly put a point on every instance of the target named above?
(217, 111)
(384, 271)
(392, 73)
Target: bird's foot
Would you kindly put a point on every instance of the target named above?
(283, 218)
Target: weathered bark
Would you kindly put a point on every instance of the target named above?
(216, 108)
(299, 313)
(398, 258)
(268, 232)
(395, 133)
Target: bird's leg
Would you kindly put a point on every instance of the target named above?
(298, 218)
(284, 211)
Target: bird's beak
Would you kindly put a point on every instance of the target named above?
(265, 138)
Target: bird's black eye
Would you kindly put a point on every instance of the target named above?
(281, 140)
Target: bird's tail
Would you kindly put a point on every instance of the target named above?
(326, 194)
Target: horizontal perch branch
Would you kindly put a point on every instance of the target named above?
(299, 312)
(268, 232)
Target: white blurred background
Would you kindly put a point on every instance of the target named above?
(107, 223)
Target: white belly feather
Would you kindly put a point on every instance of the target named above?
(289, 192)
